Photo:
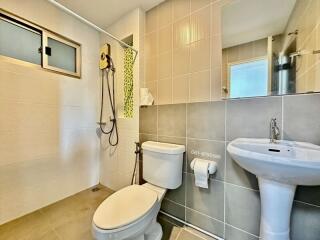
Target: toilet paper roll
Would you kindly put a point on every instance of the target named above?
(201, 173)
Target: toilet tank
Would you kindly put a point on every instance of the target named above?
(162, 164)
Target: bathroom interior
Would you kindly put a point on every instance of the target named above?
(159, 119)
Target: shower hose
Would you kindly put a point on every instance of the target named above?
(137, 152)
(114, 128)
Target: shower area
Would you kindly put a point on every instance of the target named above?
(118, 162)
(51, 142)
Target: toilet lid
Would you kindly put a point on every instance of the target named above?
(124, 207)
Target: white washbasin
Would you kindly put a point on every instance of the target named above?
(279, 167)
(296, 163)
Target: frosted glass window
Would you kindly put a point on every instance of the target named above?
(29, 42)
(249, 79)
(62, 56)
(20, 42)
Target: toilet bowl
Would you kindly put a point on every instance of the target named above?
(131, 213)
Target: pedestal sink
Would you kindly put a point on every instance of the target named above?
(279, 167)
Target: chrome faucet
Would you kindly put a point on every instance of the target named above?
(274, 131)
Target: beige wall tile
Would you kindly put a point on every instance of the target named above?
(151, 44)
(197, 4)
(165, 13)
(165, 39)
(216, 84)
(152, 20)
(216, 52)
(200, 24)
(216, 18)
(301, 83)
(233, 54)
(245, 51)
(311, 81)
(181, 61)
(260, 48)
(37, 89)
(318, 38)
(200, 86)
(180, 91)
(165, 65)
(200, 55)
(224, 69)
(181, 8)
(165, 91)
(317, 77)
(193, 37)
(311, 45)
(311, 17)
(151, 69)
(181, 33)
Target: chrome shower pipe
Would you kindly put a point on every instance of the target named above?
(67, 10)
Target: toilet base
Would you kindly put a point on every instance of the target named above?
(154, 232)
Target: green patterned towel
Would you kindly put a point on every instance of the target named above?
(128, 83)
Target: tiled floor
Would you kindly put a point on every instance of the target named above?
(173, 230)
(70, 219)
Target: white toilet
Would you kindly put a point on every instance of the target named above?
(131, 213)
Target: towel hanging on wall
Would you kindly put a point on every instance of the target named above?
(128, 83)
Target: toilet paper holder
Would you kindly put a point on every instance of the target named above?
(212, 165)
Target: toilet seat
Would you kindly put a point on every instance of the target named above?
(125, 207)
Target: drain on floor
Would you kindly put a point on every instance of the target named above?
(95, 189)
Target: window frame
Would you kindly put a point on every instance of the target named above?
(45, 33)
(45, 57)
(230, 64)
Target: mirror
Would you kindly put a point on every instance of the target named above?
(270, 47)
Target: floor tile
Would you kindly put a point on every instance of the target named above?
(67, 219)
(71, 219)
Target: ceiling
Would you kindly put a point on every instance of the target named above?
(105, 12)
(248, 20)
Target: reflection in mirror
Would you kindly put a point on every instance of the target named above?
(270, 47)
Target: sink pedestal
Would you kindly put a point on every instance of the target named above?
(276, 205)
(280, 168)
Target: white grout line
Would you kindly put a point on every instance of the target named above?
(239, 229)
(204, 231)
(179, 204)
(191, 138)
(189, 46)
(282, 118)
(309, 204)
(57, 235)
(201, 8)
(210, 49)
(195, 233)
(172, 37)
(192, 226)
(186, 161)
(225, 170)
(178, 234)
(157, 122)
(203, 214)
(235, 185)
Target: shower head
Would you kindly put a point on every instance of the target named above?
(105, 52)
